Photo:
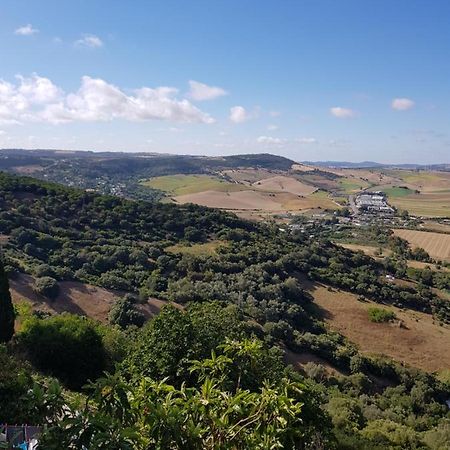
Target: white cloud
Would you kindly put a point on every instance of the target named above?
(38, 89)
(89, 40)
(342, 113)
(239, 114)
(306, 140)
(200, 91)
(272, 127)
(274, 113)
(269, 140)
(26, 30)
(402, 104)
(38, 99)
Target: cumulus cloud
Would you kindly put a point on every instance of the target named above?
(26, 30)
(239, 114)
(306, 140)
(342, 113)
(272, 127)
(402, 104)
(89, 40)
(200, 91)
(269, 140)
(38, 99)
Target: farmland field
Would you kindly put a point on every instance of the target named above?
(397, 191)
(353, 185)
(425, 181)
(429, 204)
(190, 184)
(436, 244)
(281, 183)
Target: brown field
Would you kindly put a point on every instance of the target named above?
(436, 244)
(76, 298)
(28, 170)
(257, 200)
(302, 168)
(371, 176)
(282, 183)
(419, 342)
(436, 226)
(248, 176)
(232, 200)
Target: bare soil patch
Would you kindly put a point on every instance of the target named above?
(78, 298)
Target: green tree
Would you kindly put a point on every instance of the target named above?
(125, 313)
(6, 308)
(46, 286)
(68, 347)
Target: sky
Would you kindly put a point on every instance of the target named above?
(349, 80)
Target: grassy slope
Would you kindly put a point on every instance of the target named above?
(190, 184)
(418, 342)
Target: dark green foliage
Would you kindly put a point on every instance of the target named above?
(125, 313)
(67, 347)
(15, 381)
(46, 286)
(7, 315)
(164, 346)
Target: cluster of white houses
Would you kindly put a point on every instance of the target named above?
(373, 202)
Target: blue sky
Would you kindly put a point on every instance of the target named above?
(311, 80)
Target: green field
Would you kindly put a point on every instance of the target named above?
(352, 185)
(427, 204)
(175, 185)
(397, 191)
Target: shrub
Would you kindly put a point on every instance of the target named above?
(46, 286)
(380, 315)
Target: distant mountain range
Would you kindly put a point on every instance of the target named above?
(375, 165)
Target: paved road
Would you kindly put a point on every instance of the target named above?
(351, 200)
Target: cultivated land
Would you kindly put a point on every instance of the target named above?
(175, 185)
(429, 204)
(255, 200)
(419, 342)
(281, 183)
(436, 244)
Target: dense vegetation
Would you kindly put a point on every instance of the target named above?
(203, 369)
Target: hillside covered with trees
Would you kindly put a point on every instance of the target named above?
(210, 370)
